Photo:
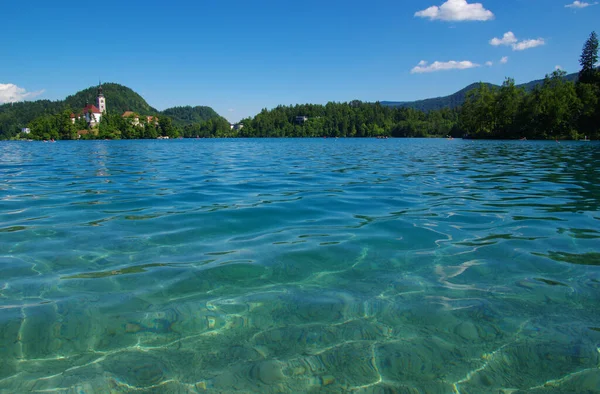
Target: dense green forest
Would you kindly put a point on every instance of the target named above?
(559, 106)
(457, 99)
(354, 119)
(183, 116)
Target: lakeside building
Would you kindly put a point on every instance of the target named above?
(135, 118)
(92, 113)
(301, 119)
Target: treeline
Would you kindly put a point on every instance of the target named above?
(354, 119)
(556, 109)
(112, 126)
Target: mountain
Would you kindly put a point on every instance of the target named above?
(187, 115)
(457, 99)
(119, 99)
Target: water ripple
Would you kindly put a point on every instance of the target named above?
(299, 266)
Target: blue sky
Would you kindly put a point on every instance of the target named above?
(240, 56)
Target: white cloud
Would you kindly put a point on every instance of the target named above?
(580, 4)
(456, 11)
(558, 67)
(509, 39)
(489, 64)
(504, 60)
(526, 44)
(10, 93)
(425, 67)
(230, 110)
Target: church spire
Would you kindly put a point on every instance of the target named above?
(100, 100)
(100, 93)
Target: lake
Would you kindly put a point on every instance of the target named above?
(300, 265)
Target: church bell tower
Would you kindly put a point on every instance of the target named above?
(101, 100)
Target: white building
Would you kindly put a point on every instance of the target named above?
(92, 113)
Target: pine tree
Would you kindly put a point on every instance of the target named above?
(588, 60)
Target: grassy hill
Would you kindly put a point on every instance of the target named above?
(457, 99)
(119, 99)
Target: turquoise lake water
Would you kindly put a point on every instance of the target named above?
(291, 266)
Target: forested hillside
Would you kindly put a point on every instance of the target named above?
(188, 115)
(457, 99)
(119, 99)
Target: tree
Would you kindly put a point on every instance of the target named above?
(588, 60)
(508, 101)
(477, 113)
(166, 127)
(559, 106)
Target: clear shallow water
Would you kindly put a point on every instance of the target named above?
(300, 266)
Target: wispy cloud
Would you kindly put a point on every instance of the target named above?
(489, 63)
(457, 11)
(509, 39)
(558, 67)
(425, 67)
(504, 60)
(11, 93)
(580, 4)
(526, 44)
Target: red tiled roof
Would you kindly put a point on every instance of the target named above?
(127, 114)
(72, 116)
(91, 108)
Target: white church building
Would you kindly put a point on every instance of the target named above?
(92, 113)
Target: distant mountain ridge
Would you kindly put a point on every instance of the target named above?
(457, 99)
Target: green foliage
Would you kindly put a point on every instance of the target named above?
(556, 109)
(119, 99)
(14, 117)
(457, 99)
(58, 126)
(188, 115)
(588, 60)
(215, 127)
(354, 119)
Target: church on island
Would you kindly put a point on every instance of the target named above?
(92, 113)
